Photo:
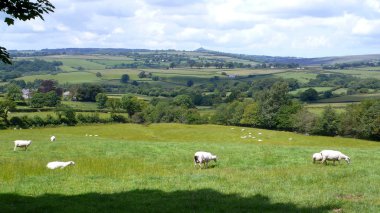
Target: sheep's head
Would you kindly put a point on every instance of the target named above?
(347, 159)
(72, 163)
(214, 157)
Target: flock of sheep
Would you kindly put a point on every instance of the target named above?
(51, 165)
(200, 157)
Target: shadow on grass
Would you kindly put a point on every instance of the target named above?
(204, 200)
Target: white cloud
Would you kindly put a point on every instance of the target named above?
(273, 27)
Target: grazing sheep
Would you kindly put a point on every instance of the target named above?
(317, 157)
(22, 143)
(52, 138)
(59, 164)
(203, 157)
(333, 156)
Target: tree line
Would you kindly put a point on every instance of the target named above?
(271, 108)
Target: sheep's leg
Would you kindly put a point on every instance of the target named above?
(15, 148)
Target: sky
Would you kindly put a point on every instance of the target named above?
(298, 28)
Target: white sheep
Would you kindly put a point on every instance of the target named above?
(333, 156)
(52, 138)
(59, 164)
(203, 157)
(22, 143)
(317, 157)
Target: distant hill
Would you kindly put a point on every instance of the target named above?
(254, 58)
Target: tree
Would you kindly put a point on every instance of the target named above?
(131, 104)
(327, 124)
(66, 114)
(14, 92)
(101, 99)
(113, 103)
(37, 100)
(88, 92)
(5, 107)
(52, 99)
(124, 78)
(142, 74)
(47, 86)
(22, 10)
(309, 95)
(190, 83)
(183, 101)
(270, 102)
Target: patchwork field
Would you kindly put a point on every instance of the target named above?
(135, 168)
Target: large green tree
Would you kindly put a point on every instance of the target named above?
(22, 10)
(5, 107)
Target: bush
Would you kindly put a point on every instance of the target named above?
(91, 118)
(118, 118)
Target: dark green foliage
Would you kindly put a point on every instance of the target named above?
(89, 118)
(327, 124)
(190, 83)
(5, 107)
(113, 104)
(183, 101)
(118, 118)
(37, 100)
(88, 92)
(285, 115)
(52, 99)
(14, 92)
(66, 114)
(270, 103)
(304, 121)
(132, 104)
(49, 99)
(124, 78)
(361, 120)
(101, 99)
(309, 95)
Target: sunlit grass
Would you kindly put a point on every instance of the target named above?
(127, 157)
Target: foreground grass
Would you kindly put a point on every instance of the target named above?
(133, 168)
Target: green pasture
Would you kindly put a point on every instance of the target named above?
(350, 98)
(77, 61)
(102, 115)
(301, 76)
(340, 91)
(318, 108)
(359, 72)
(67, 77)
(136, 168)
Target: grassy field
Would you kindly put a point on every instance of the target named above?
(134, 168)
(350, 98)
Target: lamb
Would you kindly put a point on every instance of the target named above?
(203, 157)
(59, 164)
(22, 143)
(317, 157)
(333, 156)
(52, 138)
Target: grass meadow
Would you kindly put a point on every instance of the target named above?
(137, 168)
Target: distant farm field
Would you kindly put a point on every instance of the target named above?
(135, 168)
(350, 98)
